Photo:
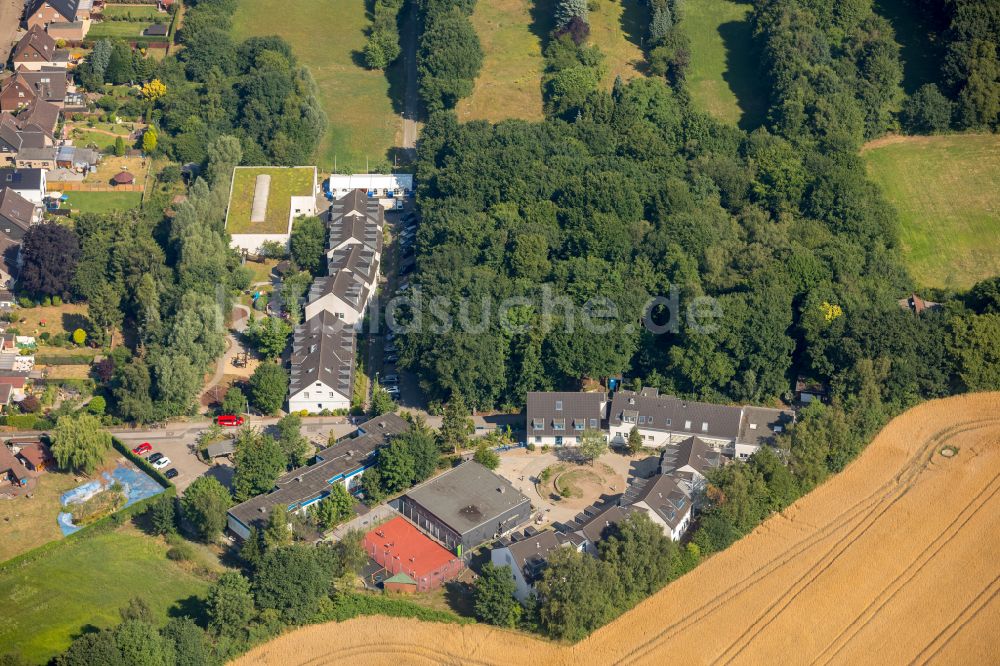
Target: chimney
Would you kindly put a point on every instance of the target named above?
(500, 489)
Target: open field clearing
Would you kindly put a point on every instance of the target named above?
(103, 202)
(947, 192)
(328, 36)
(617, 26)
(723, 77)
(82, 583)
(890, 562)
(509, 85)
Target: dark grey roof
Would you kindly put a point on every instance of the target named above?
(761, 424)
(49, 84)
(467, 496)
(345, 285)
(692, 452)
(304, 484)
(356, 218)
(47, 153)
(651, 411)
(663, 495)
(378, 430)
(594, 527)
(67, 8)
(10, 135)
(323, 351)
(569, 409)
(530, 553)
(15, 209)
(357, 258)
(156, 29)
(223, 448)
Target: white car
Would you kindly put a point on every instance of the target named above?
(162, 462)
(392, 389)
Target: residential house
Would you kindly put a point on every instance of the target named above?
(593, 523)
(665, 500)
(28, 183)
(16, 381)
(37, 49)
(15, 94)
(43, 13)
(48, 83)
(689, 461)
(358, 259)
(6, 393)
(345, 295)
(33, 454)
(355, 219)
(760, 426)
(302, 488)
(17, 214)
(12, 471)
(69, 31)
(36, 158)
(527, 556)
(560, 418)
(77, 158)
(40, 117)
(323, 355)
(465, 507)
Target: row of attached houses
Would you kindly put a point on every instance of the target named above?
(343, 463)
(22, 192)
(561, 418)
(323, 347)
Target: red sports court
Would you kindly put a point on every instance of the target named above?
(399, 546)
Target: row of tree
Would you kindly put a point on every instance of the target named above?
(382, 47)
(449, 56)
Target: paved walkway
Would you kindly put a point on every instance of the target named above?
(411, 99)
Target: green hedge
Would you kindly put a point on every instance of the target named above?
(27, 422)
(141, 463)
(54, 359)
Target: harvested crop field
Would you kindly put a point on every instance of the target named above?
(891, 562)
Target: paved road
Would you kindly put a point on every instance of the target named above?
(411, 99)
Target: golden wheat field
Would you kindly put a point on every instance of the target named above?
(894, 561)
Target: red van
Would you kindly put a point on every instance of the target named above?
(229, 420)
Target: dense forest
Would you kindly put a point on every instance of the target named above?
(967, 93)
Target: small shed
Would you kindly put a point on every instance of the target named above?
(219, 449)
(35, 456)
(400, 584)
(156, 30)
(123, 178)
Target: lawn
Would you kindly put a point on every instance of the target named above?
(116, 29)
(81, 584)
(136, 11)
(27, 523)
(947, 192)
(617, 27)
(55, 319)
(509, 85)
(285, 183)
(723, 77)
(328, 36)
(102, 202)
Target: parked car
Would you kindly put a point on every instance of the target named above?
(403, 289)
(229, 420)
(142, 449)
(171, 473)
(153, 459)
(392, 390)
(391, 357)
(390, 336)
(161, 463)
(390, 348)
(390, 379)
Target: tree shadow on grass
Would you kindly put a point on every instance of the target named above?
(192, 607)
(919, 36)
(542, 24)
(742, 73)
(72, 321)
(634, 20)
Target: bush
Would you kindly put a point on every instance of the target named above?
(180, 550)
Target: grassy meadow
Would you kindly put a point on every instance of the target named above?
(509, 85)
(617, 27)
(328, 36)
(81, 583)
(722, 77)
(947, 192)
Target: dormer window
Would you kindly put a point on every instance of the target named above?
(558, 405)
(704, 427)
(687, 425)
